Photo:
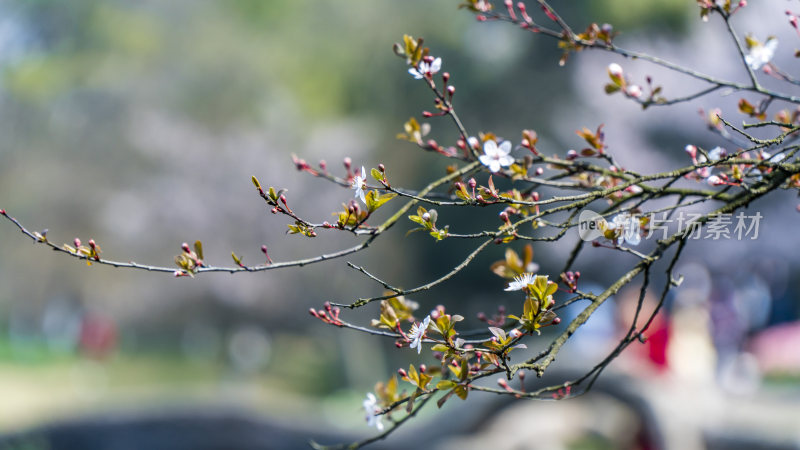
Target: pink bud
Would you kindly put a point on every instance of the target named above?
(615, 70)
(539, 171)
(264, 249)
(382, 168)
(427, 114)
(572, 154)
(556, 321)
(92, 244)
(472, 183)
(2, 212)
(451, 90)
(402, 373)
(446, 77)
(347, 162)
(480, 18)
(77, 242)
(422, 368)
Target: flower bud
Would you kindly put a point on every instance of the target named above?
(347, 162)
(556, 321)
(615, 70)
(451, 90)
(77, 243)
(515, 333)
(426, 217)
(422, 368)
(323, 165)
(402, 373)
(472, 183)
(502, 383)
(92, 243)
(427, 114)
(446, 77)
(2, 212)
(571, 154)
(382, 168)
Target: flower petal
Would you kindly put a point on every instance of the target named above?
(505, 148)
(490, 148)
(436, 65)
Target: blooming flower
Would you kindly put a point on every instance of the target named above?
(417, 332)
(496, 157)
(760, 54)
(359, 183)
(425, 68)
(520, 282)
(717, 153)
(628, 228)
(372, 409)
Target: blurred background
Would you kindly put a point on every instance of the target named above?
(139, 124)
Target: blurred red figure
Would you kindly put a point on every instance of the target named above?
(98, 336)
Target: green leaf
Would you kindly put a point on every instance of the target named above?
(375, 201)
(255, 182)
(445, 384)
(198, 248)
(377, 175)
(461, 392)
(417, 219)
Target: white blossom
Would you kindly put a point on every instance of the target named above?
(425, 68)
(495, 156)
(761, 54)
(359, 183)
(520, 282)
(717, 153)
(417, 332)
(372, 409)
(628, 227)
